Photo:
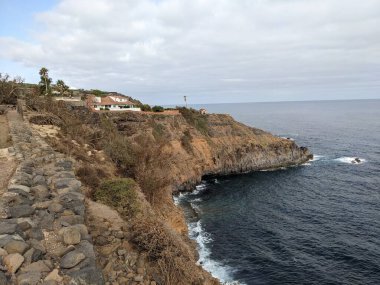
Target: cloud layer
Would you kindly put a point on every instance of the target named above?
(210, 50)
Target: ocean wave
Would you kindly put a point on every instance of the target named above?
(216, 269)
(351, 160)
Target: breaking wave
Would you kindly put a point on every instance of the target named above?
(350, 160)
(317, 157)
(203, 240)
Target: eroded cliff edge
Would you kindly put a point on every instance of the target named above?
(165, 154)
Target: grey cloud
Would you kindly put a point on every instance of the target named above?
(210, 50)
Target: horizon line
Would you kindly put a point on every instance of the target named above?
(281, 101)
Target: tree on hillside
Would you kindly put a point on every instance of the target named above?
(157, 109)
(62, 87)
(45, 82)
(9, 88)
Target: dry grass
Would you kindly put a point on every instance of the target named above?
(90, 175)
(186, 140)
(5, 139)
(169, 255)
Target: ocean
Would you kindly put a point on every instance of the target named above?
(318, 223)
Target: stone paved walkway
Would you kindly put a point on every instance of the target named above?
(43, 238)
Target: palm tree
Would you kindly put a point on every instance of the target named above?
(45, 80)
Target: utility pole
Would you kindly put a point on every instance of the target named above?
(185, 98)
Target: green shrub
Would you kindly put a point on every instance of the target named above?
(121, 152)
(120, 194)
(158, 109)
(145, 107)
(98, 93)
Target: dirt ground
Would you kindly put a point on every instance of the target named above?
(7, 163)
(4, 132)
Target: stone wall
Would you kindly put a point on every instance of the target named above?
(43, 236)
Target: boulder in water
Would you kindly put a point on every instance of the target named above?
(356, 160)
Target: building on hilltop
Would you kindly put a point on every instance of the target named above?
(111, 103)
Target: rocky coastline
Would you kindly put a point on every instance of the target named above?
(51, 233)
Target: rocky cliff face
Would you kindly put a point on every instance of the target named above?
(218, 145)
(177, 151)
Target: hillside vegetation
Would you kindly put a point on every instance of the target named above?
(134, 162)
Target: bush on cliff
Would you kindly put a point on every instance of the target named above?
(120, 194)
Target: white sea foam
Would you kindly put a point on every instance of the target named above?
(306, 164)
(317, 157)
(178, 198)
(350, 160)
(217, 269)
(197, 200)
(196, 208)
(288, 138)
(199, 188)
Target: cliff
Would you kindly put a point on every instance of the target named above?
(164, 154)
(175, 152)
(221, 146)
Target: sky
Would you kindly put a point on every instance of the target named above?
(212, 51)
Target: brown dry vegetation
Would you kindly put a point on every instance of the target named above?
(5, 139)
(162, 154)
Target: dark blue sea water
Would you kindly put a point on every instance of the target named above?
(318, 223)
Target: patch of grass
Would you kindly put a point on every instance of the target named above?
(195, 119)
(120, 194)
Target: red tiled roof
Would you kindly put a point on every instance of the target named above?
(109, 101)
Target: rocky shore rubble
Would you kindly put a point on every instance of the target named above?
(43, 236)
(121, 265)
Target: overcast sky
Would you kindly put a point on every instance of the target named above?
(209, 50)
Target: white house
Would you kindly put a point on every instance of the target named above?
(111, 103)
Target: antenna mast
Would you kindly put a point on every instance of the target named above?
(185, 98)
